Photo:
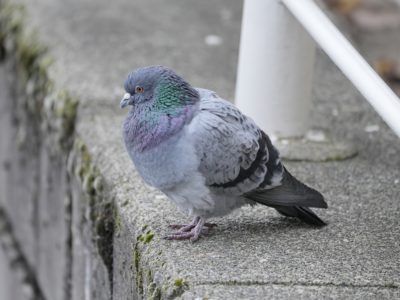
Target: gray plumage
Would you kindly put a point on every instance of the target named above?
(205, 155)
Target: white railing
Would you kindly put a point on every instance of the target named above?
(276, 66)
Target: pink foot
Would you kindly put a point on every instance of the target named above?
(188, 227)
(191, 231)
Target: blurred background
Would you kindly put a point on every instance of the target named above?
(374, 25)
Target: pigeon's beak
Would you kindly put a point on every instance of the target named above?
(125, 100)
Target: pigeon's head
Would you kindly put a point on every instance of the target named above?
(157, 87)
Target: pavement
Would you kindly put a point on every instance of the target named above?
(253, 253)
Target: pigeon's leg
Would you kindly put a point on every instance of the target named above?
(197, 230)
(193, 233)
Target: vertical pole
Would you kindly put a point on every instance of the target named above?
(275, 70)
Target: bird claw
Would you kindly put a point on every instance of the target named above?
(182, 227)
(192, 231)
(177, 236)
(188, 227)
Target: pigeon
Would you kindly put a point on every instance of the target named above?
(204, 154)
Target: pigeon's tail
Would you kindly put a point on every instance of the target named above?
(303, 213)
(291, 199)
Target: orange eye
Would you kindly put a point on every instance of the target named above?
(139, 89)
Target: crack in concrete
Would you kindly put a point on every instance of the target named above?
(299, 283)
(69, 242)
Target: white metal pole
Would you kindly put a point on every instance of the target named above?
(275, 69)
(352, 64)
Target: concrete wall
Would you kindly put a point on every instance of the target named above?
(54, 236)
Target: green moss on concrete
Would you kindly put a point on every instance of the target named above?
(66, 112)
(43, 65)
(179, 282)
(11, 20)
(103, 213)
(136, 259)
(29, 55)
(138, 270)
(85, 160)
(146, 238)
(117, 221)
(104, 228)
(144, 266)
(28, 51)
(143, 270)
(11, 17)
(175, 288)
(104, 216)
(154, 292)
(88, 181)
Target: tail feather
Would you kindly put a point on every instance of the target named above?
(292, 198)
(303, 213)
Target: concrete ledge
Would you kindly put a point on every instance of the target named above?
(90, 229)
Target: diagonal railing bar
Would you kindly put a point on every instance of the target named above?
(348, 60)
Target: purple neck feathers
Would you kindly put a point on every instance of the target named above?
(145, 129)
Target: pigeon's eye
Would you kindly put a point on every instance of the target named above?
(139, 89)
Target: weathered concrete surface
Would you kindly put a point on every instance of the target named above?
(288, 292)
(11, 283)
(11, 278)
(17, 280)
(253, 253)
(15, 166)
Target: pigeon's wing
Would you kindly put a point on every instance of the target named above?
(235, 155)
(239, 158)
